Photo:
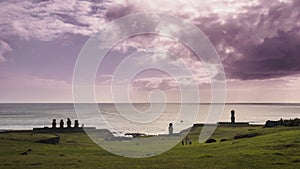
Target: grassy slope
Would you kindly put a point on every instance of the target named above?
(274, 148)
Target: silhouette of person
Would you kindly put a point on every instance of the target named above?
(186, 140)
(170, 128)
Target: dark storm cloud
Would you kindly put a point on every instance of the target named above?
(262, 42)
(275, 57)
(269, 48)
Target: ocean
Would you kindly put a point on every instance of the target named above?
(23, 116)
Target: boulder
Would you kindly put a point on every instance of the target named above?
(211, 140)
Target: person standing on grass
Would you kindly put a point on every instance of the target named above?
(186, 140)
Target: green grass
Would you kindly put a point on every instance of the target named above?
(273, 148)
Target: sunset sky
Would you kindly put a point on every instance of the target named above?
(258, 42)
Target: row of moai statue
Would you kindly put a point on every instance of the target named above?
(61, 123)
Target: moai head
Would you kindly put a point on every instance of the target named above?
(61, 123)
(232, 112)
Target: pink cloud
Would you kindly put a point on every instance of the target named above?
(4, 48)
(48, 20)
(149, 84)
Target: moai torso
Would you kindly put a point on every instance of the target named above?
(76, 124)
(54, 123)
(69, 123)
(232, 116)
(61, 123)
(170, 128)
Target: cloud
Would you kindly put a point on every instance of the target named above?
(44, 20)
(188, 9)
(262, 44)
(4, 48)
(255, 40)
(119, 10)
(48, 20)
(151, 80)
(149, 84)
(275, 57)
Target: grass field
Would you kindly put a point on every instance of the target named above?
(272, 148)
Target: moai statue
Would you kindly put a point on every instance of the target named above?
(170, 128)
(76, 124)
(61, 124)
(69, 123)
(54, 123)
(232, 117)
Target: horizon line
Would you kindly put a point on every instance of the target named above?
(147, 103)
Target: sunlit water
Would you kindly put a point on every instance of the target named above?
(28, 116)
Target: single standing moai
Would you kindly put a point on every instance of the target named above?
(61, 124)
(54, 123)
(69, 123)
(76, 124)
(170, 128)
(232, 117)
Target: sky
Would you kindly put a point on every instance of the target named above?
(258, 43)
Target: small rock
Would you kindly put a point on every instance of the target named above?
(246, 136)
(222, 140)
(210, 140)
(24, 153)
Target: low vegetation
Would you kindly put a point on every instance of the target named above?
(274, 148)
